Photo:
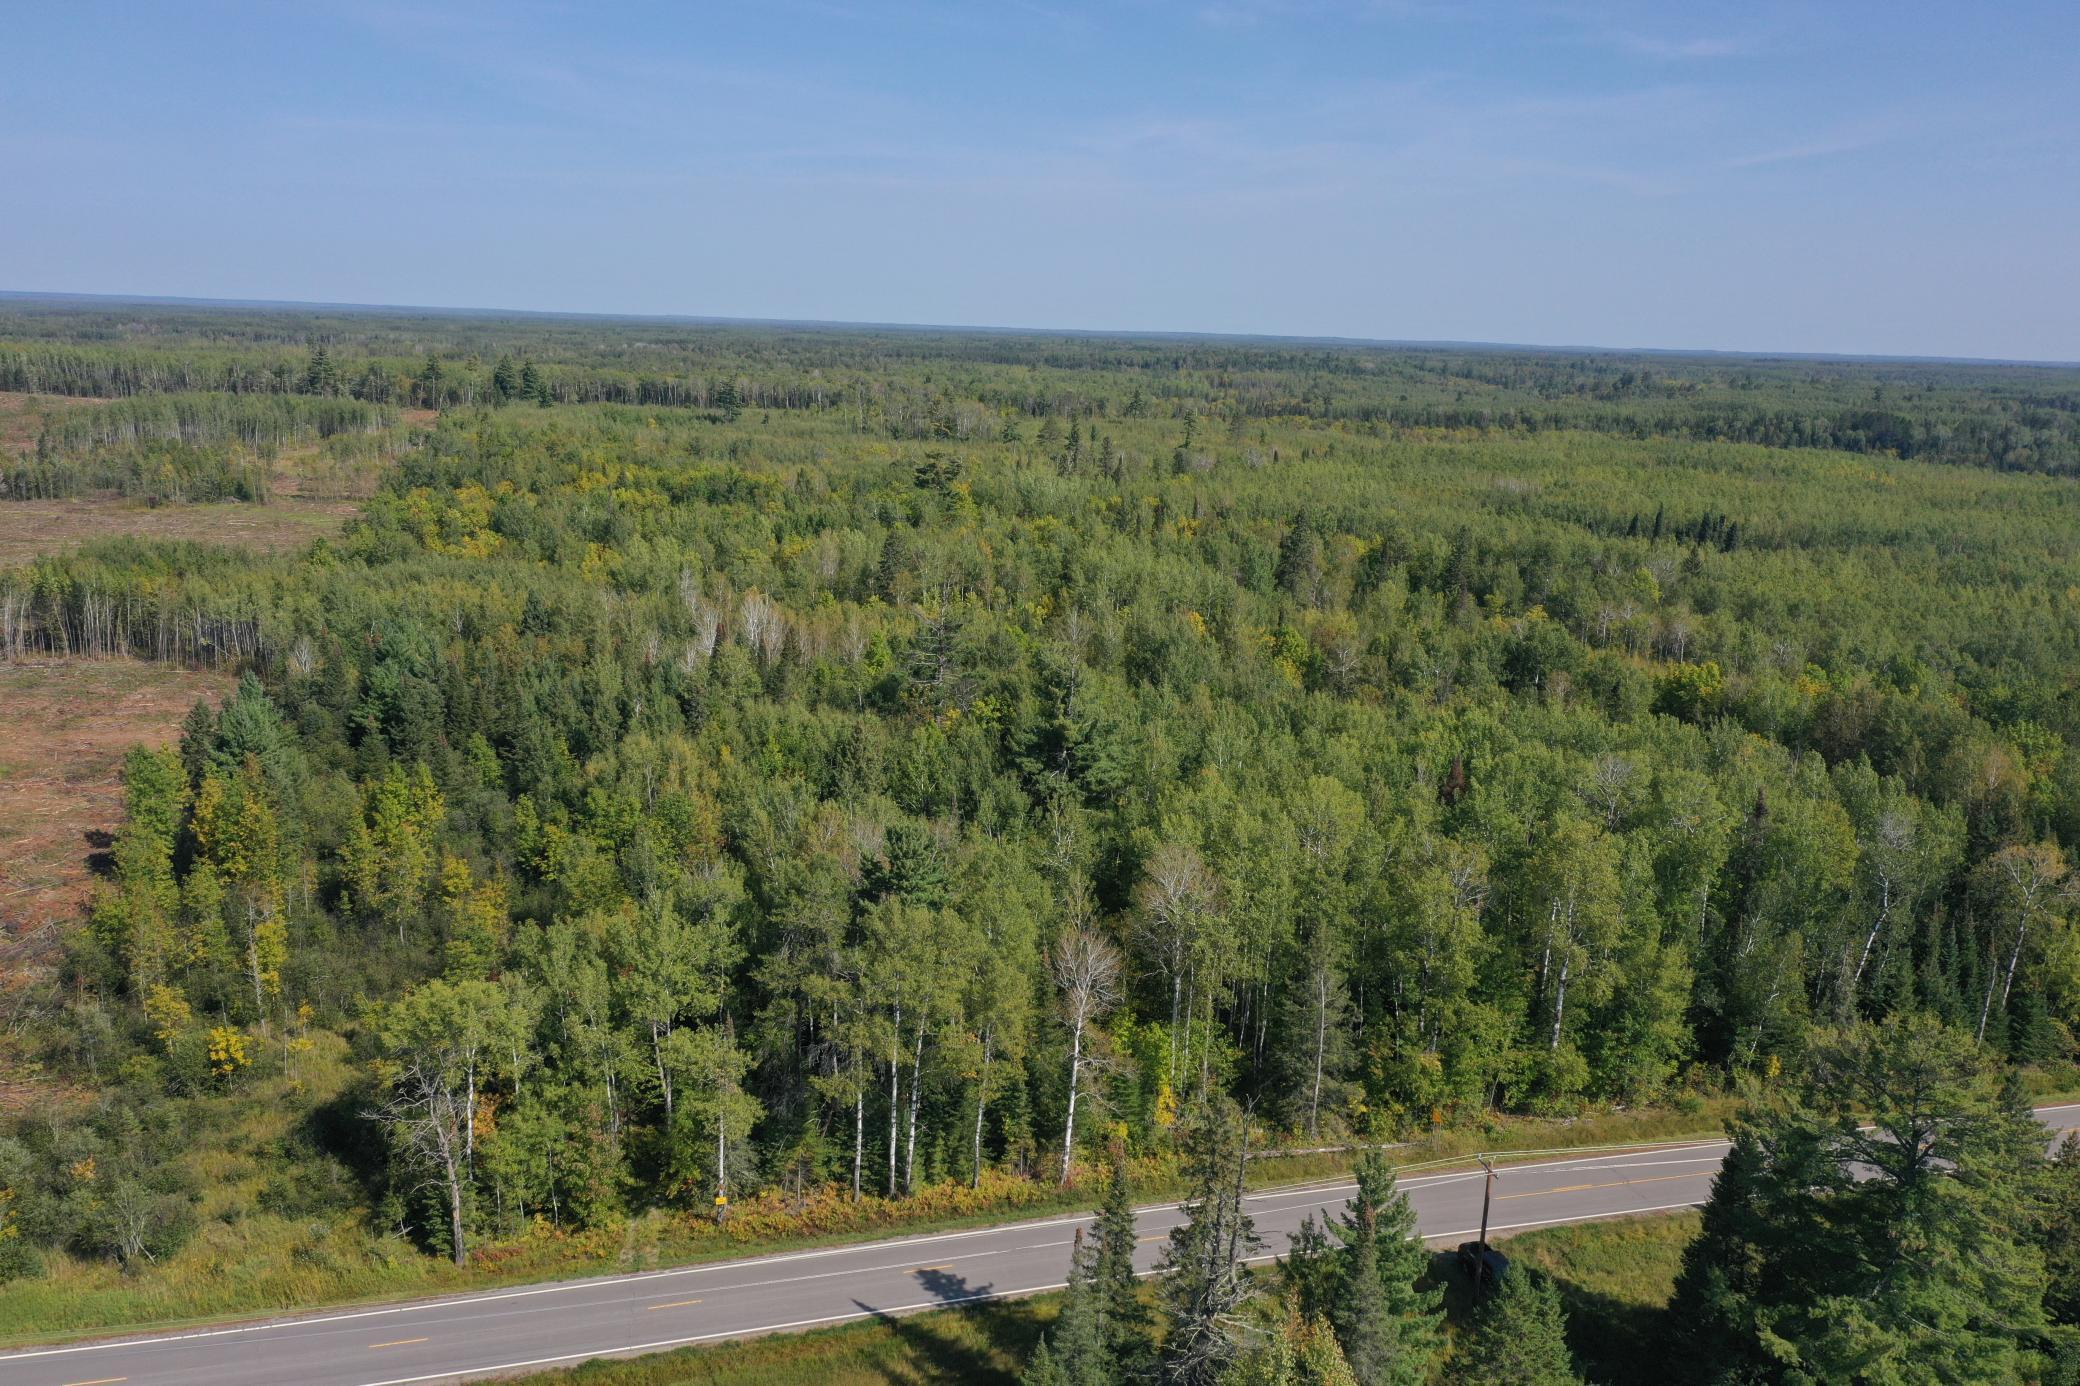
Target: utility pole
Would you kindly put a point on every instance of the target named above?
(1480, 1257)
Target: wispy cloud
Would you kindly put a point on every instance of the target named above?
(1680, 49)
(1847, 142)
(1248, 14)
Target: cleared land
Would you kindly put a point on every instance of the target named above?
(62, 742)
(307, 504)
(22, 417)
(30, 529)
(67, 726)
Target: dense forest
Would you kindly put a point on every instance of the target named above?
(724, 761)
(923, 383)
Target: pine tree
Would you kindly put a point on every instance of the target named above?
(2061, 1234)
(1126, 1321)
(727, 399)
(1076, 1352)
(1390, 1328)
(1728, 1268)
(1364, 1323)
(1206, 1285)
(1299, 569)
(320, 376)
(1873, 1224)
(1308, 1275)
(1521, 1337)
(910, 868)
(1043, 1370)
(430, 388)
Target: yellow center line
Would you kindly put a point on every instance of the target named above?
(922, 1269)
(99, 1381)
(401, 1342)
(1619, 1184)
(1158, 1237)
(675, 1304)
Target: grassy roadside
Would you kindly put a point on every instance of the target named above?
(1615, 1278)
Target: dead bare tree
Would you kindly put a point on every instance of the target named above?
(1086, 968)
(427, 1111)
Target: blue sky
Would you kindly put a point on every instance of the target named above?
(1896, 178)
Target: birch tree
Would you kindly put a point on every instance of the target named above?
(1086, 972)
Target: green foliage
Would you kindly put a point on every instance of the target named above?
(1114, 1282)
(1078, 1352)
(2060, 1235)
(1300, 1352)
(1434, 736)
(1872, 1224)
(1520, 1336)
(1205, 1283)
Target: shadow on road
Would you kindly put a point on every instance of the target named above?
(985, 1343)
(948, 1288)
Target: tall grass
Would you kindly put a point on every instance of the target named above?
(1615, 1279)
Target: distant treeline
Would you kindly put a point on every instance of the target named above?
(153, 469)
(960, 384)
(262, 423)
(185, 447)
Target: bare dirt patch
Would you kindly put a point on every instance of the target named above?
(67, 727)
(308, 503)
(30, 529)
(22, 416)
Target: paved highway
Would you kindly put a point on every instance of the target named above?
(503, 1332)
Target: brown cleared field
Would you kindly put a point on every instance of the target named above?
(308, 503)
(31, 529)
(67, 726)
(22, 416)
(62, 742)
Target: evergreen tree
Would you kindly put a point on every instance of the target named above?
(1766, 1207)
(1076, 1353)
(1126, 1320)
(910, 868)
(1299, 569)
(1872, 1225)
(727, 399)
(1391, 1329)
(2060, 1235)
(1206, 1285)
(1364, 1324)
(1521, 1335)
(1309, 1273)
(430, 387)
(320, 376)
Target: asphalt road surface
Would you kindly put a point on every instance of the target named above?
(503, 1332)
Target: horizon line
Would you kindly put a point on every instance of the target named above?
(61, 296)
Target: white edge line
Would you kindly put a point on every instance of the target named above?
(710, 1337)
(633, 1348)
(493, 1297)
